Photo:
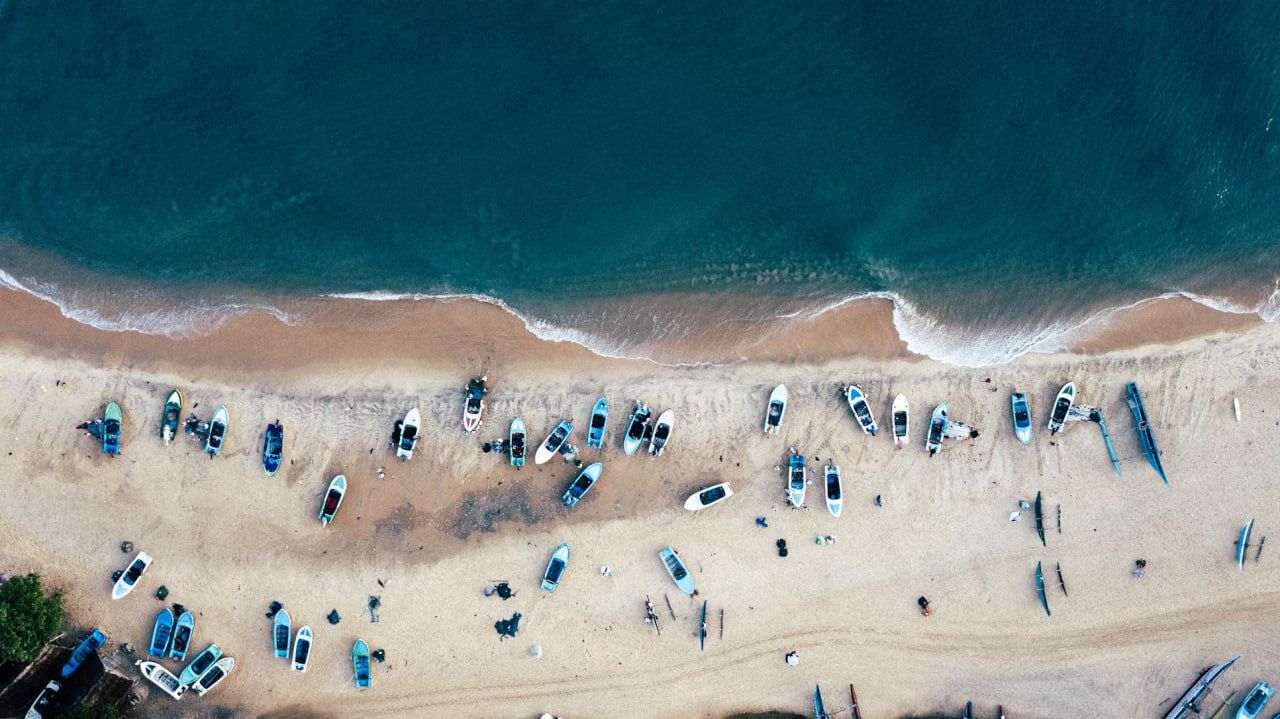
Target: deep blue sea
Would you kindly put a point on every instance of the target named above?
(1001, 169)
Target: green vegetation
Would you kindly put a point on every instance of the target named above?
(28, 618)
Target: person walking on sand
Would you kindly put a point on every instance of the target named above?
(924, 606)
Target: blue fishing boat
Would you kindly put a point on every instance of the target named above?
(1142, 425)
(1021, 413)
(161, 633)
(937, 429)
(583, 484)
(819, 706)
(273, 447)
(599, 418)
(182, 636)
(111, 423)
(171, 416)
(515, 442)
(88, 646)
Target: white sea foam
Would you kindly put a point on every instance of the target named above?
(922, 333)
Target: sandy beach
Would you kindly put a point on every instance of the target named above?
(227, 540)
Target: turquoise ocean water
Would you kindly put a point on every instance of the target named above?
(1001, 170)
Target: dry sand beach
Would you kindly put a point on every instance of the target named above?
(228, 540)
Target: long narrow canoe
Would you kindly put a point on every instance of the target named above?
(1183, 707)
(1242, 545)
(1142, 425)
(1044, 601)
(702, 629)
(819, 707)
(1040, 518)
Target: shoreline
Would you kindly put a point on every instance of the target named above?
(465, 330)
(436, 530)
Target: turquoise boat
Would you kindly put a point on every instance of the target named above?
(112, 421)
(161, 634)
(796, 480)
(182, 636)
(200, 664)
(599, 418)
(1255, 700)
(1242, 545)
(819, 706)
(281, 633)
(360, 662)
(1044, 601)
(515, 442)
(555, 568)
(702, 629)
(675, 567)
(171, 416)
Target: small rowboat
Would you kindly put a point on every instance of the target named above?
(776, 410)
(599, 418)
(861, 410)
(171, 416)
(583, 484)
(333, 499)
(677, 570)
(515, 442)
(554, 442)
(555, 568)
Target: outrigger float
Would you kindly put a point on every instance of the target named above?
(1084, 413)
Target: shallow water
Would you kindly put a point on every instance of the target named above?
(1000, 172)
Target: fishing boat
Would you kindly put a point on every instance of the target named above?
(702, 629)
(112, 421)
(161, 634)
(408, 434)
(203, 661)
(835, 494)
(1142, 425)
(1255, 700)
(171, 416)
(637, 428)
(1189, 703)
(87, 646)
(554, 442)
(127, 581)
(776, 410)
(708, 497)
(162, 678)
(40, 706)
(214, 675)
(661, 433)
(901, 419)
(473, 409)
(360, 662)
(937, 429)
(585, 480)
(796, 480)
(515, 442)
(599, 418)
(1044, 602)
(555, 568)
(819, 706)
(272, 448)
(1242, 545)
(861, 410)
(333, 499)
(1062, 407)
(182, 631)
(281, 633)
(302, 649)
(1021, 413)
(217, 431)
(677, 570)
(1040, 518)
